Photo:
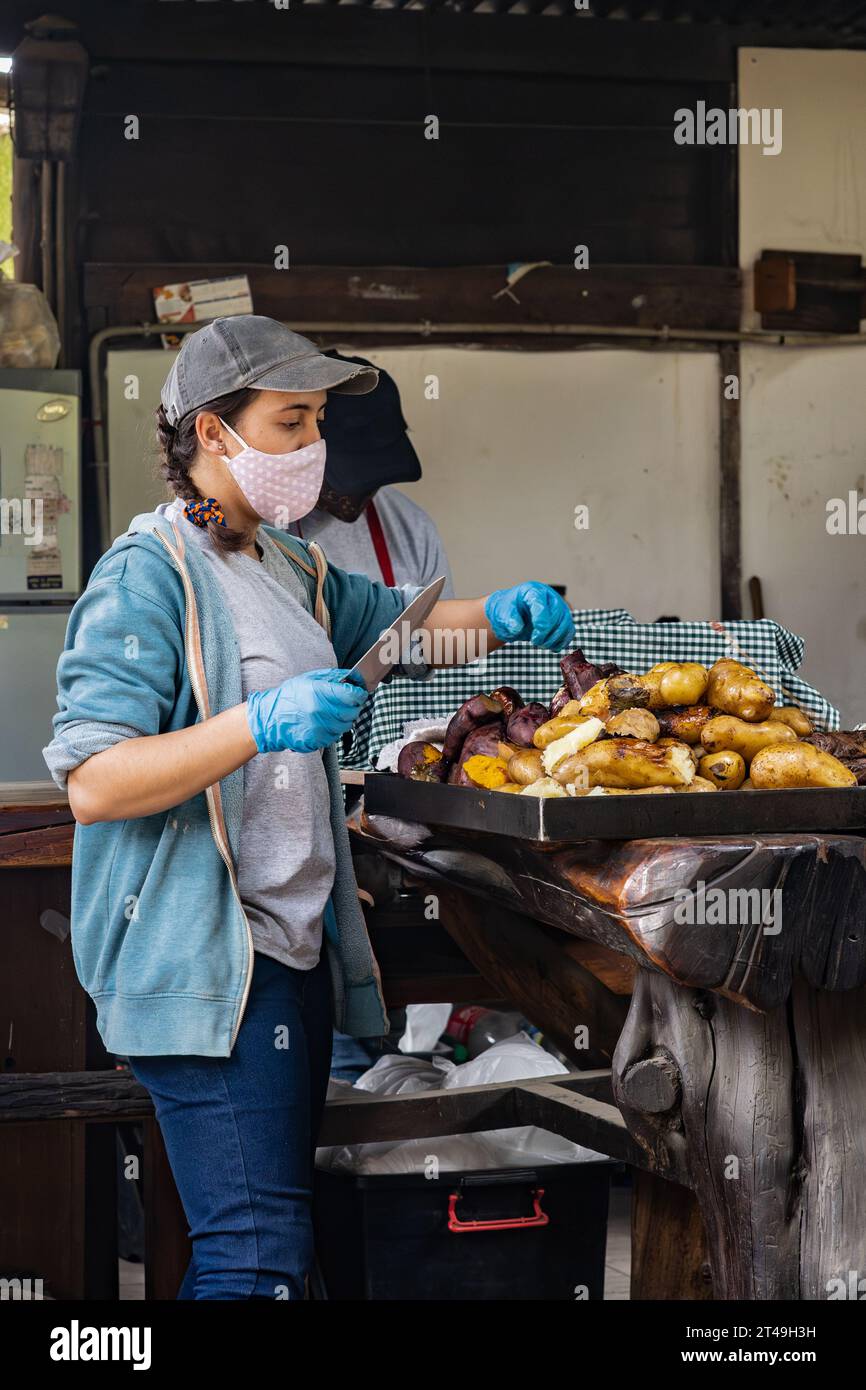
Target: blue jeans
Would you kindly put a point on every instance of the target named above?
(240, 1133)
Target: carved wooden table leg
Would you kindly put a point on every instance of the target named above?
(764, 1116)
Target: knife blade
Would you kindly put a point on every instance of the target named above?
(373, 666)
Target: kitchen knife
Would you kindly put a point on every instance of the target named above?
(373, 667)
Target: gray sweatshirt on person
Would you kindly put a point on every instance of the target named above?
(414, 544)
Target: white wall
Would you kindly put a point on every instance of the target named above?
(514, 443)
(517, 440)
(812, 195)
(804, 412)
(134, 484)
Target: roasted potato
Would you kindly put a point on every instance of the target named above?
(628, 763)
(525, 767)
(679, 743)
(685, 722)
(545, 786)
(700, 784)
(676, 683)
(798, 765)
(799, 722)
(634, 723)
(735, 689)
(510, 787)
(725, 769)
(595, 703)
(557, 728)
(586, 732)
(728, 732)
(614, 694)
(628, 692)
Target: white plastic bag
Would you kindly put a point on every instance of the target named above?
(430, 730)
(425, 1024)
(395, 1074)
(28, 329)
(513, 1059)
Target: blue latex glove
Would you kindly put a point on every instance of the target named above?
(304, 713)
(530, 612)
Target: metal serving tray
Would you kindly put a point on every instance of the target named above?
(616, 817)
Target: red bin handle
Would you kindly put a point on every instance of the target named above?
(538, 1217)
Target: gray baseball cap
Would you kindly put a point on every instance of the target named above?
(251, 350)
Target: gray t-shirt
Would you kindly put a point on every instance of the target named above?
(286, 861)
(414, 544)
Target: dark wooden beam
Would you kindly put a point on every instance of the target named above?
(62, 1095)
(558, 1103)
(363, 37)
(698, 297)
(529, 963)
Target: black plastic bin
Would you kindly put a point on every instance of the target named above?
(542, 1234)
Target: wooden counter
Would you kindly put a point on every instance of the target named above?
(740, 1069)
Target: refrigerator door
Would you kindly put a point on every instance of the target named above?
(31, 640)
(40, 517)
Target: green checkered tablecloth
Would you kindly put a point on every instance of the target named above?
(604, 634)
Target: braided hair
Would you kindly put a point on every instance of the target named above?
(178, 446)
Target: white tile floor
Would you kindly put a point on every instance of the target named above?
(616, 1270)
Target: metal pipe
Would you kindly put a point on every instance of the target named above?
(60, 252)
(706, 338)
(46, 241)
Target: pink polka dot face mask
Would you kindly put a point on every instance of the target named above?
(280, 487)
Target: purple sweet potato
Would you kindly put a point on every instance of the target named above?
(581, 675)
(508, 698)
(523, 723)
(484, 739)
(858, 767)
(421, 762)
(561, 698)
(473, 714)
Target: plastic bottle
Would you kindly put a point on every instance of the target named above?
(475, 1028)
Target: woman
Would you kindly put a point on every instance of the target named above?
(200, 697)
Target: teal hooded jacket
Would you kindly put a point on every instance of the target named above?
(160, 938)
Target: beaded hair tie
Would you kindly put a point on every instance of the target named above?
(200, 513)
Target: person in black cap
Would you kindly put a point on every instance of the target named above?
(390, 539)
(362, 523)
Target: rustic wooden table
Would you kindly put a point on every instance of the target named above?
(740, 1066)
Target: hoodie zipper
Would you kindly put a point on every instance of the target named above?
(212, 796)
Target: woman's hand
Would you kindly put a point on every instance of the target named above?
(530, 612)
(305, 713)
